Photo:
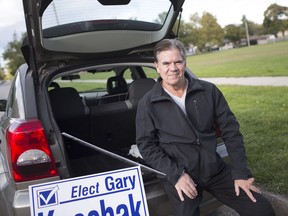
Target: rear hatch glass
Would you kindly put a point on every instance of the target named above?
(61, 12)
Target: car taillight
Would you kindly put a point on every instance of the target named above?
(30, 153)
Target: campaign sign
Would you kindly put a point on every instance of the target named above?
(118, 192)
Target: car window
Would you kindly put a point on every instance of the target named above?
(86, 82)
(94, 84)
(15, 106)
(150, 72)
(61, 12)
(128, 75)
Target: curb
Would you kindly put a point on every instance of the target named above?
(279, 203)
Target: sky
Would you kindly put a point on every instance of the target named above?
(225, 11)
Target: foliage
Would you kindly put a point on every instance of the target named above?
(2, 76)
(210, 33)
(276, 19)
(203, 32)
(180, 28)
(13, 54)
(254, 28)
(234, 33)
(161, 18)
(190, 36)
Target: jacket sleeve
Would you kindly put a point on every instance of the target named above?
(230, 133)
(151, 151)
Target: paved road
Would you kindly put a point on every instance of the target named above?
(250, 81)
(4, 89)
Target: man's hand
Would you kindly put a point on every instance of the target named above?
(247, 186)
(186, 184)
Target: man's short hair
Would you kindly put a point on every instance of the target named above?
(168, 44)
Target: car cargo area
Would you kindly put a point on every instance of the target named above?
(104, 118)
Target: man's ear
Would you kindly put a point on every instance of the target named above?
(156, 66)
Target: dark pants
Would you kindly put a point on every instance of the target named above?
(221, 187)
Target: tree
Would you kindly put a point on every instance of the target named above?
(276, 19)
(1, 73)
(161, 18)
(255, 29)
(13, 55)
(234, 33)
(210, 33)
(189, 31)
(180, 27)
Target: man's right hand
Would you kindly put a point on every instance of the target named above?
(187, 185)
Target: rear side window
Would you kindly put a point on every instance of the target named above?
(150, 72)
(15, 106)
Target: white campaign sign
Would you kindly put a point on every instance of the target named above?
(118, 192)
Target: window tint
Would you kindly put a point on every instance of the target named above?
(15, 106)
(150, 72)
(61, 12)
(87, 81)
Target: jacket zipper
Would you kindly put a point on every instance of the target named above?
(197, 118)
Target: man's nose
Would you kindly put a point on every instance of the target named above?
(173, 66)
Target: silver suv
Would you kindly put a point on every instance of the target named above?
(87, 66)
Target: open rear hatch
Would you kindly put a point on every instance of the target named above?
(73, 30)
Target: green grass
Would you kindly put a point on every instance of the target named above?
(82, 86)
(260, 60)
(262, 114)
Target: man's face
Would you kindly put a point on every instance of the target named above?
(171, 66)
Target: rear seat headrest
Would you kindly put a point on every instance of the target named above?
(116, 85)
(66, 103)
(139, 88)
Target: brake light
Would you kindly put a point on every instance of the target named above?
(30, 153)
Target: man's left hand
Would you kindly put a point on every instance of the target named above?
(247, 186)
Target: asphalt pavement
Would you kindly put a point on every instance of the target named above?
(250, 81)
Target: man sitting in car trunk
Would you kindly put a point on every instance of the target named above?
(175, 132)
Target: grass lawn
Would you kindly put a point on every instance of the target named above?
(262, 114)
(260, 60)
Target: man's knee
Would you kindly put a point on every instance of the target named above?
(265, 208)
(262, 207)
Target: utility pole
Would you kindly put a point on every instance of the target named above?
(246, 29)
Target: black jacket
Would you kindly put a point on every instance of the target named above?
(172, 142)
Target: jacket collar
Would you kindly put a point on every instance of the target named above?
(158, 93)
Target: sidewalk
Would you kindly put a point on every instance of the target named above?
(249, 81)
